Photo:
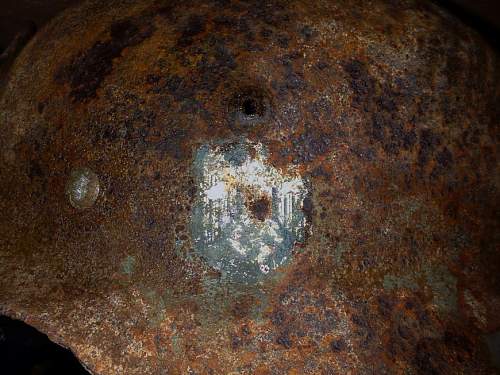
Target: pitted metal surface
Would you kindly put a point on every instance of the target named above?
(278, 187)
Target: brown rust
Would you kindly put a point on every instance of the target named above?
(390, 113)
(260, 207)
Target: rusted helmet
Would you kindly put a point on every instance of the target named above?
(254, 187)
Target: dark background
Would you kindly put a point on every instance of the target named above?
(25, 351)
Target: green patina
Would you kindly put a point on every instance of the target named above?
(391, 282)
(438, 278)
(176, 344)
(128, 265)
(444, 287)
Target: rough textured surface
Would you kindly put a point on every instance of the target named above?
(389, 109)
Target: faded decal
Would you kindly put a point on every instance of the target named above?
(248, 215)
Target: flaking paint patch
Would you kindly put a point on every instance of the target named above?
(248, 215)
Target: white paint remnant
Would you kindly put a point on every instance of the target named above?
(225, 230)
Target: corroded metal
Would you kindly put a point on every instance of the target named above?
(382, 118)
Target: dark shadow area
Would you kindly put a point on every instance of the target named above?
(26, 351)
(483, 16)
(18, 15)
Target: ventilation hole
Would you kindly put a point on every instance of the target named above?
(26, 351)
(249, 107)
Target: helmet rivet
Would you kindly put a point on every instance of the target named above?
(82, 188)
